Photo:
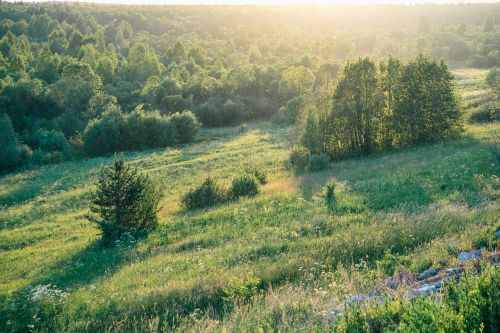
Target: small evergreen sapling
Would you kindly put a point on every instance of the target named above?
(124, 201)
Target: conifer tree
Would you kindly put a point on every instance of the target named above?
(124, 201)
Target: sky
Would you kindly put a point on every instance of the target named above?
(271, 2)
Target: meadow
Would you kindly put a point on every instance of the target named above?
(412, 208)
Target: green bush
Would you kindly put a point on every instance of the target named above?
(50, 141)
(259, 174)
(330, 193)
(318, 162)
(116, 131)
(186, 126)
(299, 158)
(487, 113)
(124, 201)
(245, 185)
(209, 193)
(289, 113)
(10, 150)
(241, 289)
(106, 134)
(53, 157)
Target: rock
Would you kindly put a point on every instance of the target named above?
(425, 290)
(399, 279)
(359, 299)
(427, 274)
(468, 256)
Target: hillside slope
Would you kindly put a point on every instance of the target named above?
(413, 208)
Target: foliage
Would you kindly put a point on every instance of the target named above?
(396, 105)
(284, 237)
(493, 80)
(209, 193)
(468, 306)
(124, 201)
(244, 185)
(487, 113)
(61, 67)
(116, 131)
(318, 162)
(299, 158)
(330, 197)
(239, 289)
(10, 152)
(289, 114)
(186, 126)
(311, 134)
(258, 173)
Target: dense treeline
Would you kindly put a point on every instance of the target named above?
(381, 107)
(64, 66)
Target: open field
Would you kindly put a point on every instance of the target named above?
(409, 205)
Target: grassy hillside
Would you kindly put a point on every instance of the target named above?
(415, 207)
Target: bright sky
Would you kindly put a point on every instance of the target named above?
(271, 2)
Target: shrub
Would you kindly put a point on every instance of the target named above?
(233, 112)
(209, 114)
(115, 131)
(159, 131)
(330, 193)
(186, 126)
(245, 185)
(105, 135)
(299, 158)
(209, 193)
(495, 148)
(51, 141)
(487, 113)
(289, 113)
(124, 201)
(318, 162)
(53, 157)
(10, 151)
(259, 174)
(241, 289)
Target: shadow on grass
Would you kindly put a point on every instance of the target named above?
(94, 262)
(410, 177)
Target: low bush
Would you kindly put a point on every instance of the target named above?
(10, 150)
(50, 141)
(209, 193)
(487, 113)
(318, 162)
(186, 126)
(289, 114)
(245, 185)
(299, 158)
(241, 289)
(53, 157)
(116, 131)
(259, 174)
(330, 193)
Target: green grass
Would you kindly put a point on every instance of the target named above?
(412, 203)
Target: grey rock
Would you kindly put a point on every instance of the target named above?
(427, 274)
(399, 279)
(425, 290)
(468, 256)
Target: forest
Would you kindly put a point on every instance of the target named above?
(80, 79)
(249, 168)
